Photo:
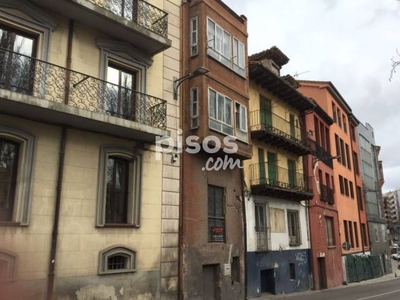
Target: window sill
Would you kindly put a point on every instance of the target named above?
(119, 226)
(295, 245)
(116, 272)
(11, 224)
(331, 247)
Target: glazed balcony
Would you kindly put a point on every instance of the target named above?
(276, 131)
(326, 194)
(274, 181)
(135, 21)
(34, 89)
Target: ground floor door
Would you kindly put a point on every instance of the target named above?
(210, 291)
(322, 273)
(267, 281)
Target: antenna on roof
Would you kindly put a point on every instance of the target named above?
(296, 75)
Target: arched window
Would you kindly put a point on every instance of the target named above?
(16, 164)
(117, 259)
(7, 265)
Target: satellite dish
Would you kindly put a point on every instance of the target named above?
(346, 246)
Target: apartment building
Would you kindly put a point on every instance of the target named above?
(372, 177)
(391, 207)
(213, 97)
(277, 186)
(347, 181)
(87, 209)
(326, 260)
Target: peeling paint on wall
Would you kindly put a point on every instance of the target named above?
(98, 292)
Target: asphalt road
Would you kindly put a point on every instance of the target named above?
(385, 290)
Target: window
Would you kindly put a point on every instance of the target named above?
(346, 232)
(261, 227)
(352, 132)
(376, 234)
(351, 189)
(294, 227)
(341, 183)
(193, 36)
(346, 187)
(292, 271)
(356, 234)
(119, 189)
(339, 115)
(351, 234)
(121, 96)
(334, 112)
(117, 259)
(238, 57)
(364, 235)
(16, 164)
(194, 108)
(216, 214)
(344, 124)
(8, 263)
(220, 108)
(17, 69)
(241, 121)
(355, 163)
(330, 237)
(342, 153)
(348, 157)
(359, 199)
(235, 270)
(219, 43)
(337, 144)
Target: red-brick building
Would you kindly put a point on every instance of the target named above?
(326, 254)
(214, 106)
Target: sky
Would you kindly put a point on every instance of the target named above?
(348, 42)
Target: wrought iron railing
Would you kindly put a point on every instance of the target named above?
(326, 194)
(273, 123)
(278, 177)
(30, 76)
(139, 12)
(262, 238)
(320, 153)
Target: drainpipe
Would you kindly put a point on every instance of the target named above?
(244, 231)
(69, 60)
(54, 237)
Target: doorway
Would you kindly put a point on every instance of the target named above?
(268, 281)
(322, 273)
(210, 282)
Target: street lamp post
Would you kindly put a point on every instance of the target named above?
(177, 81)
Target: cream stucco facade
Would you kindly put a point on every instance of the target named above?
(152, 238)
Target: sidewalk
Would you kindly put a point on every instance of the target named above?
(395, 275)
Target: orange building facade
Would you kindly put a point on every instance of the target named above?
(346, 166)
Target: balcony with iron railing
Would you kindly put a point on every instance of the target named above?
(326, 194)
(36, 89)
(320, 153)
(262, 238)
(135, 21)
(277, 131)
(274, 181)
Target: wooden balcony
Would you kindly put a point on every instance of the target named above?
(274, 181)
(276, 131)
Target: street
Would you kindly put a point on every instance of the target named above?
(384, 290)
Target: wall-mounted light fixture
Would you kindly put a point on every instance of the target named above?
(177, 81)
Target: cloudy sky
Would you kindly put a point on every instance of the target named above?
(348, 42)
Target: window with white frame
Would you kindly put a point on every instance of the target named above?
(219, 43)
(238, 57)
(119, 189)
(293, 227)
(117, 259)
(16, 164)
(193, 36)
(194, 108)
(220, 111)
(241, 121)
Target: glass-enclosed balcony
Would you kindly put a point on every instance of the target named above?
(272, 180)
(40, 90)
